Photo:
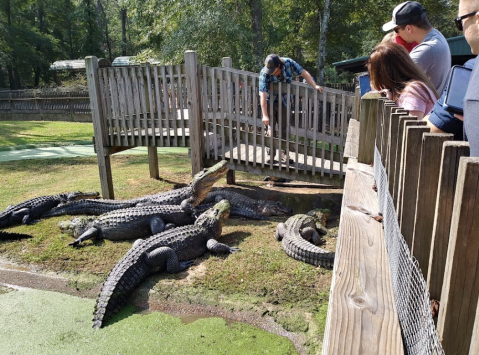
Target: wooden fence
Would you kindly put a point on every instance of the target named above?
(215, 111)
(435, 189)
(46, 104)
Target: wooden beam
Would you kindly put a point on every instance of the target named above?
(194, 111)
(99, 127)
(153, 162)
(368, 117)
(227, 62)
(451, 153)
(362, 316)
(460, 290)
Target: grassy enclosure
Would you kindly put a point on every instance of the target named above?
(260, 280)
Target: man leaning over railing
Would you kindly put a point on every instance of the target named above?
(279, 69)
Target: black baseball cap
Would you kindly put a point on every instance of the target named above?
(404, 14)
(271, 62)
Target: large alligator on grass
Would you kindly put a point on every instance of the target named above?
(11, 236)
(244, 206)
(297, 236)
(187, 197)
(129, 223)
(32, 209)
(172, 250)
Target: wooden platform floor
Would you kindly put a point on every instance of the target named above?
(251, 154)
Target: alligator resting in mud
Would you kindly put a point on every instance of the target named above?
(243, 206)
(172, 250)
(296, 235)
(32, 209)
(129, 223)
(187, 197)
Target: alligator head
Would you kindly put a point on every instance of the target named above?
(215, 216)
(76, 226)
(203, 182)
(78, 195)
(273, 208)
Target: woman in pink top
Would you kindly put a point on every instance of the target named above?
(392, 71)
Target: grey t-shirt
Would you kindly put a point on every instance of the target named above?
(471, 111)
(434, 57)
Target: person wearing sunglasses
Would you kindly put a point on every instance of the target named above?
(468, 22)
(432, 54)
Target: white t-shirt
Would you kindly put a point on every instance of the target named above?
(416, 97)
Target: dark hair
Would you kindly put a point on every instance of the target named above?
(423, 24)
(390, 67)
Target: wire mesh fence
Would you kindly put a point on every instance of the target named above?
(410, 290)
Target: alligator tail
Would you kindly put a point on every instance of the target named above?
(8, 235)
(303, 250)
(127, 274)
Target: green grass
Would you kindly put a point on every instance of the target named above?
(30, 134)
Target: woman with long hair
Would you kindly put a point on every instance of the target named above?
(393, 72)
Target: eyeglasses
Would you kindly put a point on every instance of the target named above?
(458, 20)
(396, 29)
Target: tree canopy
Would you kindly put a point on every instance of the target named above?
(35, 33)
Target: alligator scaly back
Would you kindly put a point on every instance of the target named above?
(32, 209)
(172, 250)
(295, 235)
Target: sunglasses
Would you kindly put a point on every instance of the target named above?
(458, 20)
(396, 29)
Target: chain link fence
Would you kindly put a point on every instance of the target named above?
(410, 290)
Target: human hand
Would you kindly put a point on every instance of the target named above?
(459, 117)
(319, 88)
(265, 120)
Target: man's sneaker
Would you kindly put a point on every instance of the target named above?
(285, 158)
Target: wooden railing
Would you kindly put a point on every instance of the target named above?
(216, 112)
(45, 105)
(434, 187)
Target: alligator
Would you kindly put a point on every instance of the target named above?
(128, 223)
(172, 250)
(10, 235)
(244, 206)
(32, 209)
(188, 197)
(296, 235)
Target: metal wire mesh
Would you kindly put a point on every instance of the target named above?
(410, 290)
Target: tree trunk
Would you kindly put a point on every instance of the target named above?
(256, 10)
(123, 31)
(322, 42)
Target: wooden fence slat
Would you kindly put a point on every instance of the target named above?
(214, 105)
(204, 114)
(151, 101)
(426, 196)
(159, 104)
(182, 123)
(400, 168)
(246, 112)
(451, 153)
(388, 109)
(167, 104)
(396, 119)
(332, 126)
(115, 106)
(254, 92)
(461, 287)
(129, 107)
(368, 117)
(223, 112)
(344, 122)
(297, 101)
(412, 156)
(174, 107)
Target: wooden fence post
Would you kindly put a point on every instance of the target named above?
(426, 196)
(451, 153)
(394, 147)
(99, 127)
(409, 166)
(368, 117)
(227, 62)
(194, 111)
(461, 289)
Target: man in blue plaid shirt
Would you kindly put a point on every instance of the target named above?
(279, 69)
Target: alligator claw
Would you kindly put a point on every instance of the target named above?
(186, 264)
(74, 243)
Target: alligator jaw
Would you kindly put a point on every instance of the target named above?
(204, 181)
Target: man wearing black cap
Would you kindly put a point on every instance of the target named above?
(432, 54)
(279, 69)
